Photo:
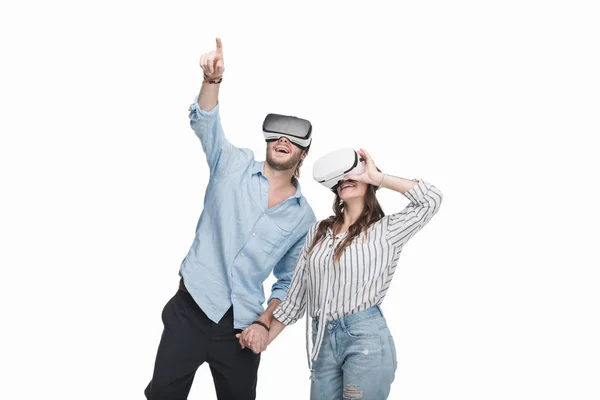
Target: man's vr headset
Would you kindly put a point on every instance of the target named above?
(330, 169)
(296, 130)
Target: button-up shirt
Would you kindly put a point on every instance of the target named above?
(239, 240)
(332, 290)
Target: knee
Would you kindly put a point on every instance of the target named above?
(155, 393)
(352, 392)
(147, 392)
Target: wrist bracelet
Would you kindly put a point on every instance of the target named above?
(381, 183)
(213, 80)
(261, 324)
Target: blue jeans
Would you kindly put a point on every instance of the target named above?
(357, 359)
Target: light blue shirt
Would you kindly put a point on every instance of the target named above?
(239, 240)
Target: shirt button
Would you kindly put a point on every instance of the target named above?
(242, 254)
(330, 326)
(266, 190)
(234, 296)
(265, 214)
(253, 233)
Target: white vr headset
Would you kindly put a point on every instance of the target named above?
(330, 169)
(296, 130)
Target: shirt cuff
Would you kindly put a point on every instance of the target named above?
(416, 194)
(280, 316)
(277, 294)
(197, 113)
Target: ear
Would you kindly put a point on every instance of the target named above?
(303, 155)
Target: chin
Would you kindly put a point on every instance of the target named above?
(352, 193)
(281, 156)
(348, 195)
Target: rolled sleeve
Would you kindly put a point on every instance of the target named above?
(425, 200)
(221, 155)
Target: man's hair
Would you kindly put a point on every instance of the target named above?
(297, 171)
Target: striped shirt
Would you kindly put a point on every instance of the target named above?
(331, 290)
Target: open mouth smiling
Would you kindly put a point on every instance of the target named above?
(347, 184)
(282, 149)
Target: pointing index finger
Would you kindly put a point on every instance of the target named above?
(219, 46)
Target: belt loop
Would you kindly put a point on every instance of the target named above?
(343, 324)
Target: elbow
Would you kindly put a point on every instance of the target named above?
(434, 197)
(440, 197)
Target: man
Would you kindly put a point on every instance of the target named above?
(254, 222)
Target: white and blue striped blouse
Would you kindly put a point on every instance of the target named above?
(331, 290)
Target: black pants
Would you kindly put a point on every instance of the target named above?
(188, 340)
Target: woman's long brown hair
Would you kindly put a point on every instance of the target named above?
(371, 213)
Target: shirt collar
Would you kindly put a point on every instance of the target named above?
(340, 235)
(259, 167)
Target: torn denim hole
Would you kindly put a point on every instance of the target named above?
(352, 392)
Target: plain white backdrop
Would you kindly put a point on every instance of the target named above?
(496, 103)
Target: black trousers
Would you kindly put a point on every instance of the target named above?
(188, 340)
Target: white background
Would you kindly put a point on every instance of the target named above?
(496, 103)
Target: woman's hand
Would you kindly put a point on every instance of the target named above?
(371, 176)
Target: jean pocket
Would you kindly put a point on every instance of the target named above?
(363, 329)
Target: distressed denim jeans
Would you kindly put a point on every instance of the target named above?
(357, 359)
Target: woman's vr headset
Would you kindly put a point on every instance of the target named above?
(330, 169)
(296, 130)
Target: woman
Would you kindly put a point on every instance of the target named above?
(342, 276)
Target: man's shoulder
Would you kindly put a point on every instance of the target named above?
(249, 155)
(244, 162)
(310, 217)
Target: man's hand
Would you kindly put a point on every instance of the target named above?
(255, 337)
(212, 63)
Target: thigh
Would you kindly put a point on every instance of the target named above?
(326, 379)
(181, 351)
(234, 369)
(369, 366)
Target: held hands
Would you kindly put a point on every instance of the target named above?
(371, 175)
(255, 337)
(212, 63)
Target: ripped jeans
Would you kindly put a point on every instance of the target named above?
(357, 359)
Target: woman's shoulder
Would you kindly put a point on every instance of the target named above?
(383, 221)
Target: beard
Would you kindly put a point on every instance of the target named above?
(285, 165)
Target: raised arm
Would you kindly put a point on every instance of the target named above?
(425, 200)
(221, 155)
(213, 66)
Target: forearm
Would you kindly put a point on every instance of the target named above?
(209, 96)
(267, 317)
(276, 328)
(395, 183)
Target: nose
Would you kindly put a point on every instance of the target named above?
(284, 139)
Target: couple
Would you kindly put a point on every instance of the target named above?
(255, 221)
